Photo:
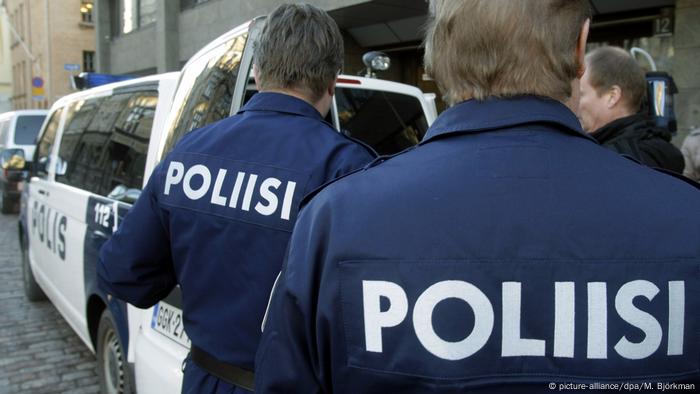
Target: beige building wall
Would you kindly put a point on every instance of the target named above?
(49, 45)
(5, 65)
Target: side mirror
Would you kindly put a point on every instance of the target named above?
(61, 167)
(13, 159)
(42, 165)
(124, 194)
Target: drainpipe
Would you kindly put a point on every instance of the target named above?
(49, 79)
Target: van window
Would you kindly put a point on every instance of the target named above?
(81, 148)
(106, 143)
(126, 153)
(389, 122)
(26, 129)
(205, 90)
(43, 147)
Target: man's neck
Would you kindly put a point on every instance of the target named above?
(297, 94)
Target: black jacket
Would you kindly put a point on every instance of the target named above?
(637, 136)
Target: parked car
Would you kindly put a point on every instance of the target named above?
(18, 131)
(91, 160)
(214, 84)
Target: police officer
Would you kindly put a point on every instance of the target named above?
(507, 252)
(217, 213)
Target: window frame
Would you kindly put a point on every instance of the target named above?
(419, 122)
(87, 17)
(117, 19)
(98, 165)
(58, 113)
(89, 55)
(201, 60)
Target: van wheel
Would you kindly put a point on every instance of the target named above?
(5, 206)
(31, 289)
(112, 367)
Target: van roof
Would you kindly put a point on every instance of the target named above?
(356, 82)
(105, 89)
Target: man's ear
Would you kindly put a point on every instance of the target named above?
(581, 48)
(331, 88)
(614, 96)
(256, 77)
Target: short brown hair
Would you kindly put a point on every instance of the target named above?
(479, 48)
(609, 66)
(300, 47)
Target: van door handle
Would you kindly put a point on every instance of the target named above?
(43, 192)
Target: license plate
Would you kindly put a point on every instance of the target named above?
(167, 320)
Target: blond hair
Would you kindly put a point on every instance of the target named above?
(479, 48)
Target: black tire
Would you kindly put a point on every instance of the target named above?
(112, 367)
(31, 289)
(5, 206)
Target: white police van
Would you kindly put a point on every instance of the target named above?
(96, 151)
(215, 83)
(91, 159)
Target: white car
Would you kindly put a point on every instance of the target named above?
(214, 83)
(18, 131)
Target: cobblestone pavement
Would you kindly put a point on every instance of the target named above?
(39, 352)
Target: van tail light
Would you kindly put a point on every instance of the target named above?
(349, 81)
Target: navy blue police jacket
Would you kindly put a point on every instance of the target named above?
(216, 215)
(508, 251)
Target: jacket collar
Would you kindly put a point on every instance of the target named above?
(279, 102)
(636, 126)
(474, 116)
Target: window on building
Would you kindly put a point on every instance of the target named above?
(147, 12)
(185, 4)
(13, 23)
(131, 15)
(20, 24)
(89, 61)
(86, 10)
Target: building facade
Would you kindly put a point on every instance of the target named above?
(151, 36)
(5, 65)
(50, 41)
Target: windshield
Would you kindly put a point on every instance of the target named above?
(389, 122)
(27, 128)
(205, 91)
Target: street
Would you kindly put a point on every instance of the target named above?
(39, 352)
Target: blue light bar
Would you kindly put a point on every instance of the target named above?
(90, 80)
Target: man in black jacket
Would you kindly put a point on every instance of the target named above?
(612, 91)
